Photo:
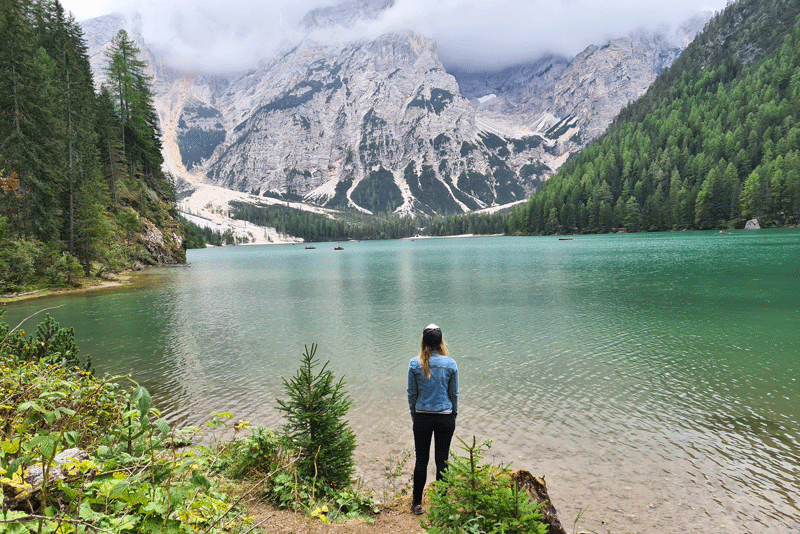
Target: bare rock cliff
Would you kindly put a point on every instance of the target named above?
(380, 126)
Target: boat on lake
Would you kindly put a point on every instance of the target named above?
(311, 247)
(338, 248)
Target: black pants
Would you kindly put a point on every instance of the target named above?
(441, 427)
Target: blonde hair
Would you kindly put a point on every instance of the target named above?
(425, 355)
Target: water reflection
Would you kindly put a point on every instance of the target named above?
(649, 376)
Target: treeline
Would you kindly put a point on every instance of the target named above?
(715, 141)
(468, 223)
(200, 236)
(79, 169)
(317, 227)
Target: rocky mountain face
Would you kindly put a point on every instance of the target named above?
(587, 90)
(380, 126)
(345, 14)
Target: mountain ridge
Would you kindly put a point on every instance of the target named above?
(380, 126)
(713, 143)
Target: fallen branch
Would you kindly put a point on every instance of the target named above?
(245, 494)
(260, 523)
(33, 517)
(25, 319)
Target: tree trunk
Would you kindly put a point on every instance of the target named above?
(536, 488)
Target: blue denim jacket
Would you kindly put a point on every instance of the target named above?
(437, 393)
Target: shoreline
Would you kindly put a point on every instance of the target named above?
(115, 280)
(459, 236)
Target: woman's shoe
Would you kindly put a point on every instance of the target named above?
(416, 509)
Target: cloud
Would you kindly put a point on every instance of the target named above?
(470, 34)
(486, 34)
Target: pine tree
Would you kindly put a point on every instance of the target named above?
(93, 229)
(30, 140)
(62, 38)
(130, 89)
(109, 142)
(315, 426)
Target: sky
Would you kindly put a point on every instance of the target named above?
(232, 35)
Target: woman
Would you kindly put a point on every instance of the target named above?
(433, 402)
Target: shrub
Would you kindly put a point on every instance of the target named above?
(256, 454)
(480, 498)
(128, 478)
(17, 261)
(316, 429)
(52, 344)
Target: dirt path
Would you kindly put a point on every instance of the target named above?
(395, 518)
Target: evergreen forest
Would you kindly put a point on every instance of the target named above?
(80, 167)
(312, 226)
(714, 142)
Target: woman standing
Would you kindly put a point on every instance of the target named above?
(433, 402)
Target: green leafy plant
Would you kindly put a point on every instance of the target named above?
(127, 475)
(393, 470)
(479, 497)
(256, 454)
(52, 344)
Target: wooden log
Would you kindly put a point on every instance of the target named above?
(536, 488)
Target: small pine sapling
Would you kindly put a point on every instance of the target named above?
(478, 497)
(315, 425)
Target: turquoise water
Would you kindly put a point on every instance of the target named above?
(652, 377)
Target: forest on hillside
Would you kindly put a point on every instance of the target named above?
(80, 169)
(714, 142)
(317, 227)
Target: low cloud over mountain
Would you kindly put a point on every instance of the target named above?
(208, 35)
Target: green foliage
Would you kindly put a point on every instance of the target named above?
(560, 128)
(298, 95)
(134, 478)
(439, 99)
(392, 472)
(287, 490)
(713, 142)
(199, 237)
(318, 483)
(67, 152)
(197, 144)
(316, 429)
(256, 454)
(468, 223)
(315, 227)
(202, 112)
(429, 190)
(52, 344)
(377, 192)
(480, 498)
(477, 185)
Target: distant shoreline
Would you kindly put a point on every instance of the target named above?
(121, 279)
(451, 236)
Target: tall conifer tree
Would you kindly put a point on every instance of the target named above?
(30, 140)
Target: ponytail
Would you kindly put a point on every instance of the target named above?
(425, 356)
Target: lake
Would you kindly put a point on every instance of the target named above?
(654, 378)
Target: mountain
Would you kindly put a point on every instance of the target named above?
(588, 90)
(380, 126)
(712, 143)
(344, 14)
